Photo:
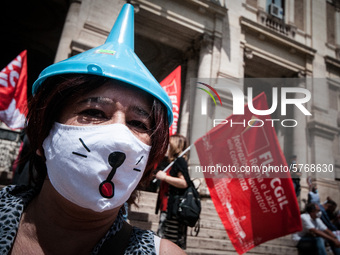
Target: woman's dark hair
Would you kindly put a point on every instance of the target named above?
(55, 94)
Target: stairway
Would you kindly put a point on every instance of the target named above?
(212, 238)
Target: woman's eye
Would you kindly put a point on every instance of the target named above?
(94, 113)
(138, 125)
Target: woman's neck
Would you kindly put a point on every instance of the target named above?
(61, 227)
(67, 214)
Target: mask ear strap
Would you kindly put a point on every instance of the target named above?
(117, 242)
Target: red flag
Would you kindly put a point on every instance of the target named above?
(13, 92)
(257, 206)
(172, 85)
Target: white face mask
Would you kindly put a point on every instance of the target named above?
(318, 214)
(95, 167)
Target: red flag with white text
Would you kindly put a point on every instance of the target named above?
(13, 92)
(172, 85)
(257, 206)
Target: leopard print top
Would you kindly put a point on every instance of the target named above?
(13, 201)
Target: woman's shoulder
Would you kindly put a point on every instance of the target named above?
(11, 193)
(13, 200)
(141, 242)
(166, 246)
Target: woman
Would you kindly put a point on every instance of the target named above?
(173, 183)
(95, 131)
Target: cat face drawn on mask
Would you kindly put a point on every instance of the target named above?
(95, 167)
(107, 187)
(115, 160)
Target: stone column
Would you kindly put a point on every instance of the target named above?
(308, 20)
(299, 132)
(188, 94)
(199, 122)
(300, 137)
(337, 27)
(69, 31)
(205, 58)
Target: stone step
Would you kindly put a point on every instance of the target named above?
(198, 251)
(226, 246)
(218, 238)
(207, 228)
(146, 213)
(203, 232)
(146, 196)
(212, 238)
(209, 243)
(273, 249)
(150, 208)
(150, 198)
(205, 222)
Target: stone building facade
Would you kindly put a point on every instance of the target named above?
(234, 40)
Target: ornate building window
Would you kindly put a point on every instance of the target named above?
(276, 8)
(333, 26)
(274, 18)
(331, 22)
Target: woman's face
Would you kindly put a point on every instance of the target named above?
(109, 104)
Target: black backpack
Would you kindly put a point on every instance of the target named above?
(189, 207)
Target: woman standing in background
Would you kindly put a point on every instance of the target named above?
(173, 182)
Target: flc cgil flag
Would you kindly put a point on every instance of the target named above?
(253, 207)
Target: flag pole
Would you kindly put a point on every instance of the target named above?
(170, 165)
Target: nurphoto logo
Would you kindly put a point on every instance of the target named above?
(283, 94)
(204, 102)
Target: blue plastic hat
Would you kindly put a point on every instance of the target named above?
(114, 59)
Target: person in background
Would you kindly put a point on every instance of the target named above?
(336, 220)
(313, 194)
(173, 182)
(327, 210)
(97, 124)
(295, 174)
(311, 240)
